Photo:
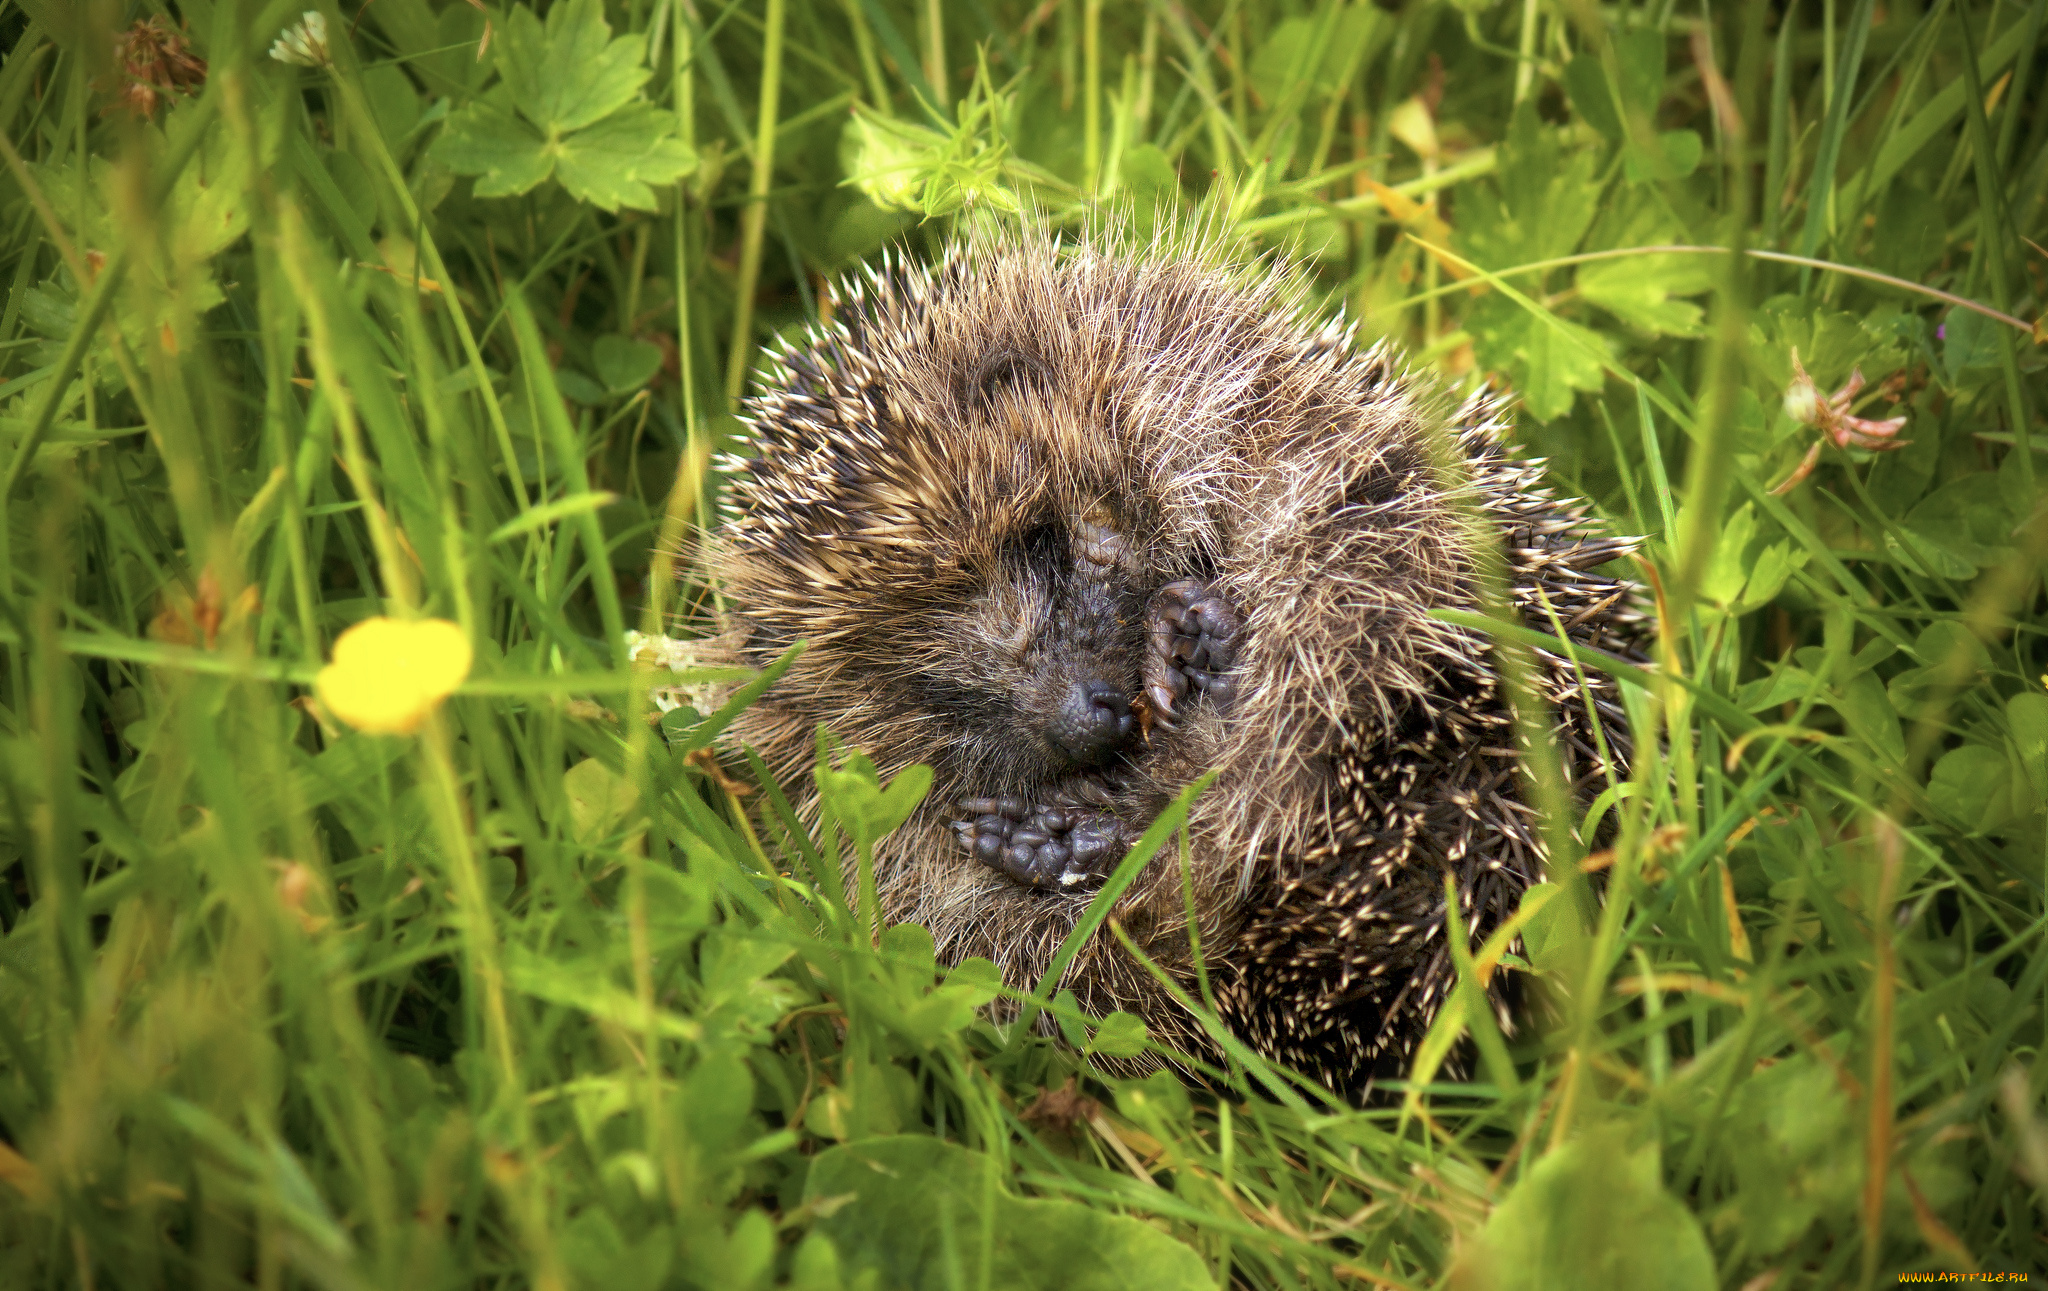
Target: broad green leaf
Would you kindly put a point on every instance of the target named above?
(615, 162)
(1607, 104)
(1554, 936)
(1800, 1160)
(1543, 202)
(1863, 704)
(1968, 340)
(886, 158)
(568, 106)
(491, 142)
(1592, 1215)
(1941, 646)
(1148, 170)
(1728, 567)
(599, 1254)
(1830, 343)
(1357, 32)
(1972, 785)
(624, 363)
(926, 1215)
(854, 793)
(1670, 154)
(1639, 290)
(1965, 520)
(2027, 715)
(600, 799)
(1546, 358)
(393, 101)
(570, 73)
(1121, 1035)
(740, 1001)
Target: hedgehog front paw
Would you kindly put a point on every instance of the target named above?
(1052, 849)
(1193, 634)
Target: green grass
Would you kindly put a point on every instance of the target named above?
(531, 998)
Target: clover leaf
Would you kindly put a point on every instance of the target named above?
(567, 105)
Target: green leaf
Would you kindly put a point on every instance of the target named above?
(1673, 154)
(1972, 785)
(599, 1254)
(570, 73)
(925, 1215)
(1546, 358)
(1868, 711)
(1830, 343)
(1606, 105)
(600, 799)
(1800, 1160)
(1148, 170)
(615, 162)
(624, 363)
(1121, 1035)
(1639, 290)
(492, 143)
(1941, 647)
(1358, 31)
(1968, 340)
(1594, 1216)
(1554, 936)
(854, 793)
(2027, 715)
(1541, 206)
(568, 106)
(1965, 521)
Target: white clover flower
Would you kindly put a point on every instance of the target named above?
(676, 656)
(304, 44)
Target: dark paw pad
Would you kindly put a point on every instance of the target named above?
(1193, 635)
(1054, 849)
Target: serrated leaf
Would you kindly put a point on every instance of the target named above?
(569, 73)
(1547, 359)
(1639, 290)
(1541, 205)
(567, 108)
(492, 143)
(614, 162)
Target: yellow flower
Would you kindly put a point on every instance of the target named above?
(387, 675)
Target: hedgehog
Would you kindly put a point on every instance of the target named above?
(1075, 523)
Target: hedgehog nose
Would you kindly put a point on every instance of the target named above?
(1092, 721)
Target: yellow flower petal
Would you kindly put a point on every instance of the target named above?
(387, 675)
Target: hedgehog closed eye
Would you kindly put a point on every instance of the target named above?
(1196, 535)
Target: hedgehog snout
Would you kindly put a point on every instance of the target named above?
(1091, 722)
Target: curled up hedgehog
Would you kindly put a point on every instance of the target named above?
(1077, 524)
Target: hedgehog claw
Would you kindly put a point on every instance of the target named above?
(1194, 634)
(1049, 848)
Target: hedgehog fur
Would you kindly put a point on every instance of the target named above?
(1075, 524)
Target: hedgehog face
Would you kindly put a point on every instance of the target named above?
(973, 590)
(1042, 657)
